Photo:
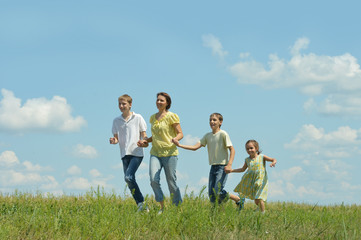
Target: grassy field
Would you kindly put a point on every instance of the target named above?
(99, 215)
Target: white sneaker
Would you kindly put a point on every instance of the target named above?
(142, 207)
(160, 211)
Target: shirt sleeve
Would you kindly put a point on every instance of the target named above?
(173, 118)
(227, 140)
(142, 124)
(203, 141)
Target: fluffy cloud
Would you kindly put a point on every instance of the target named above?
(334, 80)
(8, 159)
(77, 183)
(74, 170)
(94, 173)
(85, 151)
(312, 74)
(37, 114)
(316, 139)
(16, 174)
(190, 140)
(325, 168)
(213, 43)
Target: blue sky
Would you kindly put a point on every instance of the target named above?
(284, 73)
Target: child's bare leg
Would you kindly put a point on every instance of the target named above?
(260, 204)
(234, 198)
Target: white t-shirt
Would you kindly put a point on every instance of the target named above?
(217, 145)
(129, 134)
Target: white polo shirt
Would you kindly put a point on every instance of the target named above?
(129, 134)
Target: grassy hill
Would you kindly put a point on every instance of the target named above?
(98, 215)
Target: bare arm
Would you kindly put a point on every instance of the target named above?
(188, 147)
(178, 130)
(232, 153)
(114, 140)
(269, 159)
(242, 169)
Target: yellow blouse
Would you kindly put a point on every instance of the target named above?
(162, 134)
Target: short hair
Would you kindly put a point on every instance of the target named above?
(125, 97)
(219, 116)
(255, 143)
(167, 98)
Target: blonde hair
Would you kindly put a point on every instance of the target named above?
(255, 143)
(125, 97)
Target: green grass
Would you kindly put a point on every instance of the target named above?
(99, 215)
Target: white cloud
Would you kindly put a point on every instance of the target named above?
(94, 173)
(35, 167)
(80, 183)
(50, 183)
(190, 140)
(313, 74)
(213, 43)
(336, 79)
(85, 151)
(8, 159)
(203, 181)
(77, 183)
(74, 170)
(37, 114)
(313, 138)
(327, 171)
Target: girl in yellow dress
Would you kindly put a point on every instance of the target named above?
(254, 183)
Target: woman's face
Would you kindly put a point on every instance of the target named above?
(161, 102)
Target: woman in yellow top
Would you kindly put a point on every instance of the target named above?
(164, 154)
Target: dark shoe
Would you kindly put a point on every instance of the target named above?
(240, 204)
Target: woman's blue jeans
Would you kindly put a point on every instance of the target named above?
(130, 166)
(216, 182)
(155, 167)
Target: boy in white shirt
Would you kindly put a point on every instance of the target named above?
(128, 129)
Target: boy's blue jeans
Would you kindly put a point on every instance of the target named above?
(130, 166)
(216, 182)
(155, 167)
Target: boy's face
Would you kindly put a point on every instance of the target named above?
(214, 123)
(124, 106)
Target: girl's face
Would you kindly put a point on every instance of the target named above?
(214, 123)
(124, 106)
(251, 150)
(161, 102)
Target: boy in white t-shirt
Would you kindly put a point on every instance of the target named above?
(218, 144)
(128, 129)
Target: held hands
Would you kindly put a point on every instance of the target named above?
(175, 141)
(142, 143)
(228, 169)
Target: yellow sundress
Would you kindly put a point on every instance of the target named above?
(254, 183)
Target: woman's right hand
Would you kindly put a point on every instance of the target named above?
(113, 140)
(175, 141)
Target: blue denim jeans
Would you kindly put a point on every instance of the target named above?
(130, 166)
(216, 182)
(155, 167)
